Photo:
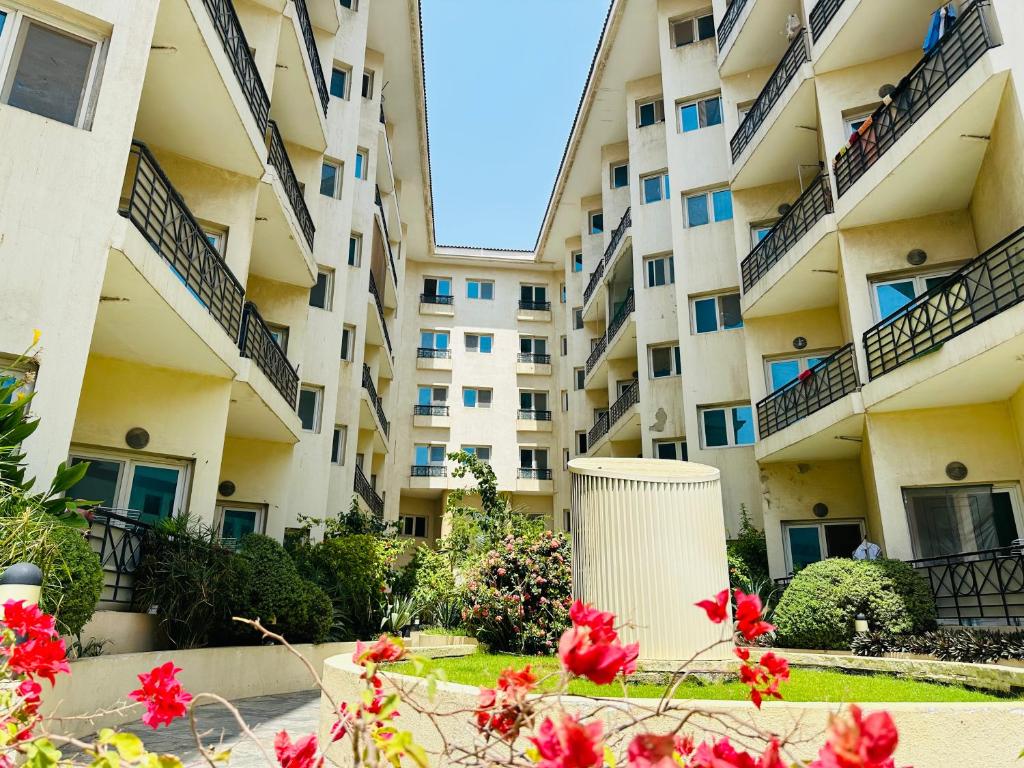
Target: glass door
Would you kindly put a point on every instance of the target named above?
(237, 520)
(808, 543)
(141, 489)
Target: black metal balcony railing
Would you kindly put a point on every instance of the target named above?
(362, 486)
(302, 13)
(979, 290)
(428, 470)
(256, 342)
(620, 231)
(975, 587)
(157, 210)
(831, 379)
(630, 396)
(599, 430)
(433, 298)
(961, 46)
(596, 353)
(729, 19)
(375, 292)
(593, 282)
(117, 537)
(529, 414)
(534, 357)
(821, 14)
(813, 203)
(621, 315)
(539, 306)
(433, 354)
(225, 20)
(278, 157)
(430, 410)
(531, 473)
(387, 235)
(787, 68)
(378, 405)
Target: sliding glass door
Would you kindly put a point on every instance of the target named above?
(950, 520)
(142, 488)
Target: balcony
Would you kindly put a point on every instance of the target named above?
(433, 304)
(204, 75)
(429, 359)
(302, 14)
(534, 311)
(282, 248)
(257, 343)
(535, 364)
(376, 404)
(365, 491)
(821, 393)
(299, 100)
(428, 477)
(530, 420)
(377, 332)
(593, 283)
(431, 416)
(795, 266)
(881, 178)
(429, 470)
(392, 287)
(618, 342)
(532, 480)
(749, 34)
(774, 136)
(621, 422)
(618, 237)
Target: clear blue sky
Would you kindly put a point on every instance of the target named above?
(503, 82)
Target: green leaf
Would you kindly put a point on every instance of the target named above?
(41, 754)
(609, 757)
(128, 746)
(66, 476)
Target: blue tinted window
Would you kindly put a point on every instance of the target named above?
(473, 290)
(697, 210)
(688, 119)
(743, 425)
(339, 78)
(597, 223)
(422, 454)
(487, 291)
(620, 176)
(360, 162)
(469, 398)
(652, 189)
(486, 343)
(782, 372)
(713, 111)
(705, 315)
(715, 431)
(648, 114)
(425, 395)
(723, 204)
(894, 296)
(3, 18)
(328, 179)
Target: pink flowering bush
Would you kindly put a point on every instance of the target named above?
(517, 597)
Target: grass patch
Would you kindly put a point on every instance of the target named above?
(803, 685)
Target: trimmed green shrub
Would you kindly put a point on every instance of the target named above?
(748, 554)
(819, 607)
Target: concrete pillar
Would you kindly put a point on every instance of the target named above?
(648, 543)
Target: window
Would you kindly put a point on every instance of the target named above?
(855, 119)
(949, 520)
(480, 289)
(155, 488)
(890, 296)
(702, 113)
(216, 236)
(350, 4)
(479, 342)
(620, 175)
(577, 318)
(413, 525)
(338, 444)
(654, 187)
(660, 270)
(533, 294)
(664, 361)
(561, 292)
(692, 30)
(699, 209)
(565, 458)
(807, 543)
(473, 397)
(52, 73)
(581, 442)
(674, 449)
(533, 345)
(330, 179)
(781, 371)
(759, 232)
(727, 426)
(564, 341)
(321, 293)
(578, 375)
(429, 455)
(355, 250)
(348, 337)
(339, 82)
(717, 313)
(309, 407)
(482, 452)
(431, 395)
(533, 458)
(434, 339)
(530, 400)
(565, 401)
(362, 161)
(234, 521)
(595, 222)
(367, 89)
(649, 112)
(279, 333)
(577, 261)
(437, 286)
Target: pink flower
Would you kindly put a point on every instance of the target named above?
(591, 648)
(763, 676)
(724, 755)
(748, 616)
(718, 608)
(649, 750)
(569, 744)
(28, 691)
(39, 656)
(162, 694)
(301, 754)
(384, 650)
(27, 621)
(857, 741)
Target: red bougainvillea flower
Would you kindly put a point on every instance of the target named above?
(569, 743)
(28, 691)
(27, 621)
(718, 608)
(500, 711)
(748, 616)
(859, 741)
(384, 650)
(162, 694)
(300, 754)
(591, 648)
(650, 750)
(724, 755)
(43, 657)
(762, 676)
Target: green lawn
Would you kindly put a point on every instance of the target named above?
(803, 685)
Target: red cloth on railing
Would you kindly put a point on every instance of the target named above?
(805, 375)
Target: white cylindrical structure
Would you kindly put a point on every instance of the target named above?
(649, 542)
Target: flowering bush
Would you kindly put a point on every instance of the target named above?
(518, 596)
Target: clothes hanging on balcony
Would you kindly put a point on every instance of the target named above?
(867, 550)
(941, 22)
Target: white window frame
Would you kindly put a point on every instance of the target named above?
(128, 461)
(532, 395)
(856, 116)
(611, 175)
(342, 430)
(766, 226)
(342, 67)
(729, 428)
(577, 261)
(430, 462)
(692, 19)
(480, 289)
(669, 270)
(678, 444)
(404, 522)
(820, 525)
(581, 433)
(578, 378)
(435, 333)
(434, 390)
(919, 279)
(319, 406)
(659, 110)
(479, 337)
(242, 506)
(702, 116)
(351, 331)
(437, 279)
(532, 343)
(328, 289)
(12, 43)
(565, 400)
(675, 354)
(533, 288)
(478, 390)
(535, 451)
(475, 451)
(719, 326)
(339, 173)
(590, 222)
(709, 195)
(366, 84)
(801, 360)
(577, 318)
(362, 163)
(663, 187)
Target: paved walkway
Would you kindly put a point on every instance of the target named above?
(297, 713)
